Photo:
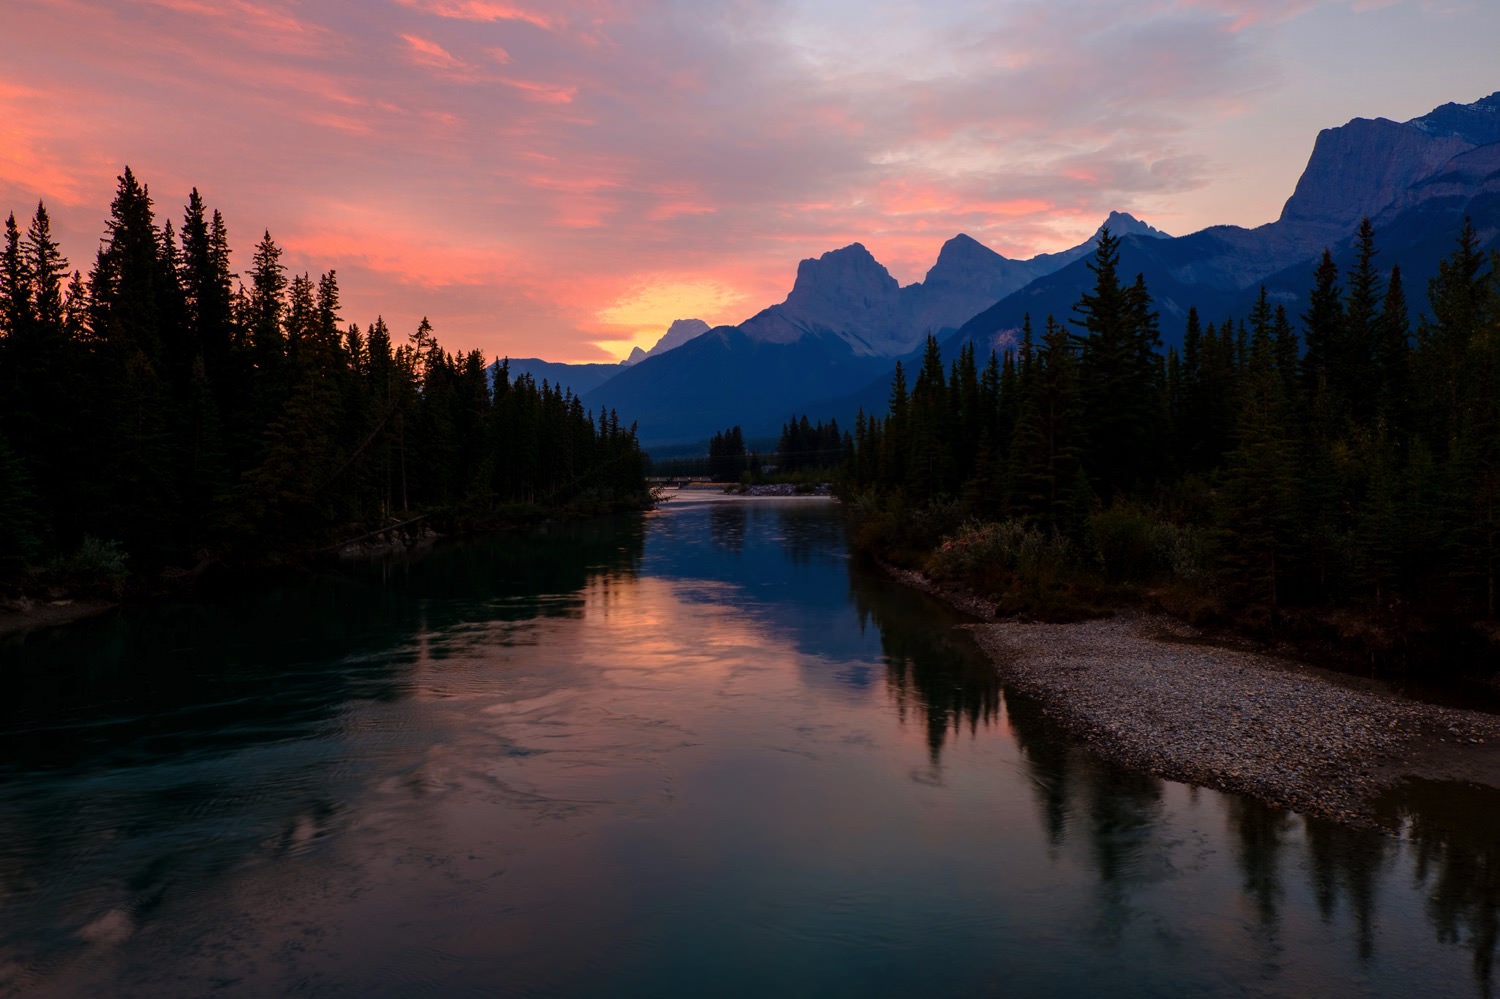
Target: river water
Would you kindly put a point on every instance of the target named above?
(691, 753)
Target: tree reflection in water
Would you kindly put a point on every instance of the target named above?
(937, 675)
(1454, 832)
(1449, 832)
(1345, 864)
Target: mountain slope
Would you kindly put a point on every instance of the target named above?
(726, 378)
(577, 378)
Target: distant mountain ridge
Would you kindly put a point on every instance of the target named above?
(1416, 181)
(846, 319)
(850, 295)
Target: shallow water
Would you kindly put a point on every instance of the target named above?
(686, 754)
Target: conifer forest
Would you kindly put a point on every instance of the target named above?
(164, 412)
(1340, 454)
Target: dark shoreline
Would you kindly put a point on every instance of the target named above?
(22, 616)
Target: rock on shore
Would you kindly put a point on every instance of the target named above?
(1149, 693)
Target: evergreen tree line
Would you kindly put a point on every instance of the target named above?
(727, 458)
(803, 449)
(176, 412)
(806, 447)
(1342, 458)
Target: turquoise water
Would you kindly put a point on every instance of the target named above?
(691, 753)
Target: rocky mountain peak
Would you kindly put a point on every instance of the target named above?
(846, 293)
(1360, 168)
(1126, 224)
(960, 258)
(849, 270)
(679, 333)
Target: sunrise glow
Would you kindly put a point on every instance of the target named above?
(565, 180)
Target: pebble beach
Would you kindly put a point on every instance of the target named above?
(1150, 693)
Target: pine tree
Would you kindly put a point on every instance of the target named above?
(895, 435)
(1322, 332)
(1393, 356)
(929, 464)
(15, 283)
(47, 269)
(132, 497)
(1119, 376)
(264, 322)
(1259, 510)
(1048, 443)
(40, 407)
(1353, 364)
(1458, 296)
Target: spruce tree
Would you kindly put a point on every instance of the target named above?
(1353, 364)
(1119, 376)
(1393, 356)
(1259, 505)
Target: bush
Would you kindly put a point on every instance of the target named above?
(897, 532)
(1133, 546)
(1122, 538)
(1182, 550)
(1026, 571)
(1010, 545)
(96, 568)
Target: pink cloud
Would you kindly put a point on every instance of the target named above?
(548, 159)
(33, 163)
(667, 210)
(543, 93)
(1242, 14)
(268, 26)
(425, 52)
(481, 10)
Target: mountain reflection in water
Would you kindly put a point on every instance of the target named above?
(696, 751)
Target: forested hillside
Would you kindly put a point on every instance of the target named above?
(1343, 458)
(164, 410)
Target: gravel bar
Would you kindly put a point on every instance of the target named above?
(1148, 692)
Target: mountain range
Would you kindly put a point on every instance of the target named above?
(830, 347)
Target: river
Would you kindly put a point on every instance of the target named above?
(696, 752)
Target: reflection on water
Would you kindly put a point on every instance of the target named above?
(693, 752)
(1455, 829)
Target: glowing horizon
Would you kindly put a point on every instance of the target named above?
(565, 180)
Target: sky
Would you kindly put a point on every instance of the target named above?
(563, 179)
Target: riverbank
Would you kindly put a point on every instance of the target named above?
(1152, 694)
(17, 616)
(1156, 695)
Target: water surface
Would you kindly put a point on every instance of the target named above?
(695, 753)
